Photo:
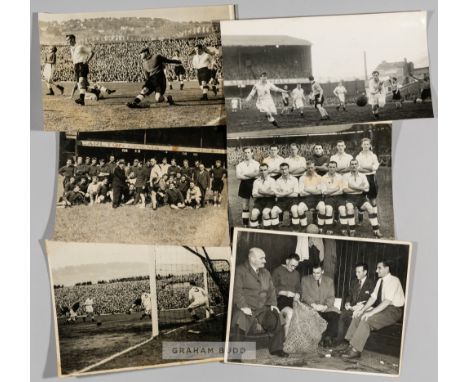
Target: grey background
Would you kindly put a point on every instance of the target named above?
(414, 168)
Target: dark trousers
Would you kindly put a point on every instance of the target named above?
(270, 322)
(117, 192)
(346, 317)
(203, 193)
(332, 319)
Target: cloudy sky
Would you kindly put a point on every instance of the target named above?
(75, 262)
(338, 42)
(175, 14)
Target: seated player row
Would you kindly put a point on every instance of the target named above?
(298, 187)
(90, 183)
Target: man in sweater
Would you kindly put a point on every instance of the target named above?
(287, 282)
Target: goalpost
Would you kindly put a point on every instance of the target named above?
(170, 286)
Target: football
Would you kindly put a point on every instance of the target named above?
(361, 100)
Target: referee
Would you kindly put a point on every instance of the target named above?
(81, 55)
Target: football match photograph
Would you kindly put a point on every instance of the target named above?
(289, 73)
(151, 68)
(334, 180)
(319, 302)
(116, 307)
(156, 186)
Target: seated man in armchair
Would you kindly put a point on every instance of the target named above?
(254, 301)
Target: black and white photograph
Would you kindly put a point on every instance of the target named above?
(318, 302)
(115, 306)
(334, 180)
(149, 68)
(290, 73)
(156, 186)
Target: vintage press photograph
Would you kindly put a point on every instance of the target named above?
(319, 302)
(156, 186)
(132, 69)
(334, 180)
(308, 71)
(115, 306)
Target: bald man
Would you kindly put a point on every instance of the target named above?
(254, 302)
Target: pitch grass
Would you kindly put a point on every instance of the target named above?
(384, 203)
(84, 344)
(62, 113)
(131, 225)
(250, 119)
(101, 223)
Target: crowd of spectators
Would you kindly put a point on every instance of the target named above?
(120, 61)
(118, 295)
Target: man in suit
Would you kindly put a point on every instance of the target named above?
(254, 302)
(119, 183)
(203, 182)
(318, 291)
(359, 292)
(384, 308)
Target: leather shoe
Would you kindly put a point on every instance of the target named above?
(280, 353)
(351, 354)
(343, 347)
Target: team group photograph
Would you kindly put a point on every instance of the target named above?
(122, 70)
(287, 74)
(317, 302)
(165, 182)
(336, 184)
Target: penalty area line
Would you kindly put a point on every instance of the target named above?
(105, 360)
(186, 326)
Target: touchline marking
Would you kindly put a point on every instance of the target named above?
(105, 360)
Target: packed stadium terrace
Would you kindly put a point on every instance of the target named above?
(120, 61)
(118, 296)
(236, 155)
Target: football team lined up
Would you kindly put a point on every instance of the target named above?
(332, 189)
(375, 96)
(157, 70)
(88, 182)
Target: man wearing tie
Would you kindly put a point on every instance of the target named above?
(387, 299)
(254, 302)
(359, 292)
(318, 291)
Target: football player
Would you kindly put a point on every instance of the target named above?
(316, 96)
(265, 103)
(198, 298)
(376, 93)
(155, 78)
(340, 93)
(49, 69)
(263, 193)
(246, 172)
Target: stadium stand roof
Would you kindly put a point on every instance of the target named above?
(257, 40)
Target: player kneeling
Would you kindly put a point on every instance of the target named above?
(310, 192)
(198, 298)
(263, 193)
(153, 68)
(355, 185)
(286, 191)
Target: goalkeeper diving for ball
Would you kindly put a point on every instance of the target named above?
(198, 298)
